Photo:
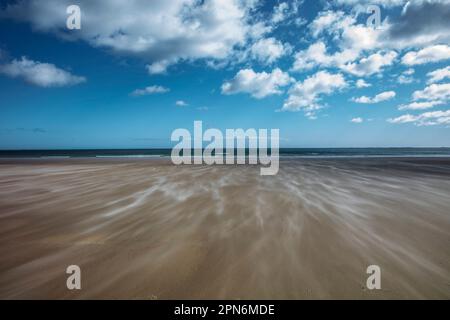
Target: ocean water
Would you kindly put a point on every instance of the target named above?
(284, 152)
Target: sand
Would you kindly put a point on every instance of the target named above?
(146, 229)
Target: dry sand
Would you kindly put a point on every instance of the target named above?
(150, 230)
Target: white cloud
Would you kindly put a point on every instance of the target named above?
(259, 29)
(438, 75)
(384, 96)
(160, 31)
(406, 77)
(403, 119)
(150, 90)
(361, 37)
(344, 29)
(411, 29)
(159, 67)
(39, 73)
(386, 3)
(219, 32)
(324, 21)
(409, 72)
(181, 103)
(306, 95)
(372, 64)
(357, 120)
(259, 85)
(421, 23)
(351, 39)
(427, 55)
(280, 12)
(402, 79)
(286, 12)
(316, 55)
(268, 50)
(433, 92)
(361, 83)
(420, 105)
(424, 119)
(432, 95)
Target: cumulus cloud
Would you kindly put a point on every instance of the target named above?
(432, 95)
(425, 119)
(159, 67)
(433, 92)
(372, 64)
(324, 21)
(409, 72)
(353, 40)
(150, 90)
(420, 105)
(39, 73)
(280, 12)
(357, 120)
(268, 50)
(181, 103)
(316, 55)
(386, 3)
(287, 12)
(427, 55)
(258, 85)
(405, 77)
(422, 22)
(438, 75)
(218, 31)
(402, 79)
(162, 32)
(384, 96)
(361, 83)
(306, 95)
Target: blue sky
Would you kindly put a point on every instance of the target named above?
(136, 71)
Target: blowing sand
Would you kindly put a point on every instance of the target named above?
(145, 229)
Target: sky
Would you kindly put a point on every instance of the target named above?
(325, 73)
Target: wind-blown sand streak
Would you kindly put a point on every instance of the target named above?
(148, 229)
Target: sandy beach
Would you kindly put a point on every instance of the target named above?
(146, 229)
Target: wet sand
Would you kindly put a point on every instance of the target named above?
(145, 229)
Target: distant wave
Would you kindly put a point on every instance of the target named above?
(284, 153)
(132, 156)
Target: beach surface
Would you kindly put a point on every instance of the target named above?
(146, 229)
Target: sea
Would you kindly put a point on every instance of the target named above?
(284, 153)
